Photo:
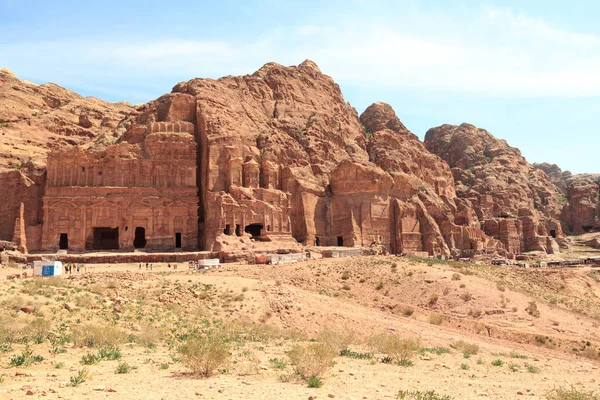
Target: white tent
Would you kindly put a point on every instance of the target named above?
(47, 268)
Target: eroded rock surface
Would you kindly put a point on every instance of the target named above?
(515, 202)
(272, 160)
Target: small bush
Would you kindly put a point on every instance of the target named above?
(466, 347)
(89, 359)
(497, 363)
(313, 359)
(163, 366)
(571, 394)
(314, 382)
(123, 368)
(109, 353)
(278, 363)
(456, 276)
(94, 336)
(467, 296)
(419, 395)
(514, 367)
(464, 366)
(436, 319)
(25, 359)
(204, 354)
(408, 311)
(398, 349)
(80, 378)
(533, 369)
(356, 355)
(433, 299)
(435, 350)
(532, 309)
(337, 339)
(517, 355)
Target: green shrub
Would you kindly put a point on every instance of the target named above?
(464, 366)
(278, 363)
(356, 355)
(314, 382)
(123, 368)
(419, 395)
(571, 394)
(533, 369)
(109, 353)
(89, 359)
(497, 363)
(80, 378)
(435, 350)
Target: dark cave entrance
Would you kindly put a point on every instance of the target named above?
(340, 241)
(553, 233)
(139, 241)
(63, 242)
(106, 239)
(254, 229)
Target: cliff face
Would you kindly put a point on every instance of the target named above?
(515, 202)
(284, 159)
(270, 160)
(35, 119)
(581, 198)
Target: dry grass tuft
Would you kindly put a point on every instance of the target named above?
(204, 354)
(98, 335)
(398, 349)
(312, 360)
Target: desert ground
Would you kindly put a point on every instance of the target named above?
(464, 331)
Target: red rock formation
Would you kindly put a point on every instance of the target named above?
(265, 161)
(126, 196)
(424, 187)
(581, 211)
(515, 202)
(33, 121)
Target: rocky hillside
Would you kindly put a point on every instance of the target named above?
(324, 175)
(35, 119)
(359, 182)
(581, 198)
(509, 195)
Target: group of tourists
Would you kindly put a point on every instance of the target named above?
(69, 268)
(149, 266)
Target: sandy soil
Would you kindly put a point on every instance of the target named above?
(481, 305)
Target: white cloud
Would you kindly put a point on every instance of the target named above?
(492, 51)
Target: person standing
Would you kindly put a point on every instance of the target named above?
(169, 267)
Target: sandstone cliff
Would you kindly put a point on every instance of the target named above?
(581, 198)
(270, 160)
(284, 158)
(35, 119)
(515, 202)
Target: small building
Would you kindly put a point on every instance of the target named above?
(47, 268)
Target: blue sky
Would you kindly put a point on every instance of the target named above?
(527, 71)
